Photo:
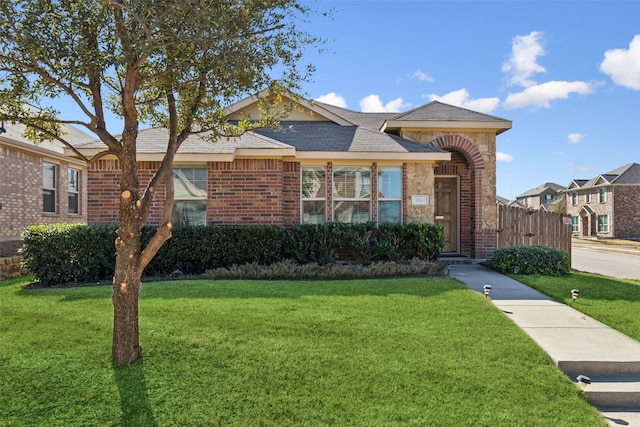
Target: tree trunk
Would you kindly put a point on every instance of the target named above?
(126, 287)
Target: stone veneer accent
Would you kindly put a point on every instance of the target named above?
(10, 268)
(475, 168)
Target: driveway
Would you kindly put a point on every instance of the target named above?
(620, 260)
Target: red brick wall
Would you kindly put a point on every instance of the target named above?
(104, 191)
(246, 191)
(291, 190)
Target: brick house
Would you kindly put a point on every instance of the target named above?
(39, 184)
(435, 163)
(541, 197)
(607, 205)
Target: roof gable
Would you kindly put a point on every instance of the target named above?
(628, 174)
(439, 115)
(301, 109)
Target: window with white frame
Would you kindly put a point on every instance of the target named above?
(603, 223)
(190, 195)
(575, 224)
(73, 189)
(602, 195)
(390, 194)
(574, 199)
(352, 194)
(314, 195)
(587, 197)
(49, 182)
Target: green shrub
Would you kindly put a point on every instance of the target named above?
(64, 253)
(289, 270)
(528, 260)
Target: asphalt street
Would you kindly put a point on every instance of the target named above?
(605, 262)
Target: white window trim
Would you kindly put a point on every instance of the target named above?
(608, 224)
(312, 199)
(74, 191)
(390, 199)
(336, 199)
(54, 188)
(194, 198)
(602, 195)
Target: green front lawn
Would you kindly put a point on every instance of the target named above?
(614, 302)
(411, 351)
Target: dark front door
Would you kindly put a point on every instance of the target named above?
(446, 211)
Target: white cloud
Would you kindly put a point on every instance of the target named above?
(461, 98)
(333, 99)
(522, 64)
(541, 95)
(504, 157)
(573, 167)
(575, 138)
(423, 77)
(373, 104)
(623, 66)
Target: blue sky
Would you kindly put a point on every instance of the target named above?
(567, 74)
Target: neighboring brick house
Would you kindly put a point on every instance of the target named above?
(502, 201)
(541, 197)
(39, 184)
(607, 205)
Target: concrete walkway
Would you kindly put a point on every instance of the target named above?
(578, 344)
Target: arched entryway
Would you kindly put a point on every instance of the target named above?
(587, 221)
(458, 195)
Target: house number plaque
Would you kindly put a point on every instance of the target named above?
(419, 200)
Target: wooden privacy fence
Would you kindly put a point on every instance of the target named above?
(522, 227)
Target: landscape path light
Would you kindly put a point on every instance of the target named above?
(583, 381)
(487, 290)
(574, 294)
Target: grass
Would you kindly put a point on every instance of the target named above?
(390, 352)
(614, 302)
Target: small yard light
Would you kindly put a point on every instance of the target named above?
(583, 381)
(447, 270)
(487, 290)
(516, 269)
(574, 294)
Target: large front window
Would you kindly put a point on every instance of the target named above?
(190, 195)
(352, 195)
(389, 195)
(49, 180)
(314, 195)
(74, 191)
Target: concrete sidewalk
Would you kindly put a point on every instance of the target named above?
(578, 344)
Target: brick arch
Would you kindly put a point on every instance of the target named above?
(463, 145)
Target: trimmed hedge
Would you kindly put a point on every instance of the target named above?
(527, 260)
(72, 253)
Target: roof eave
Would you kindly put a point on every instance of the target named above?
(394, 125)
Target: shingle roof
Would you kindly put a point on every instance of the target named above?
(155, 141)
(436, 110)
(73, 135)
(542, 188)
(373, 121)
(327, 136)
(626, 174)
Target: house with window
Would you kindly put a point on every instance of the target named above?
(541, 197)
(435, 164)
(39, 184)
(607, 205)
